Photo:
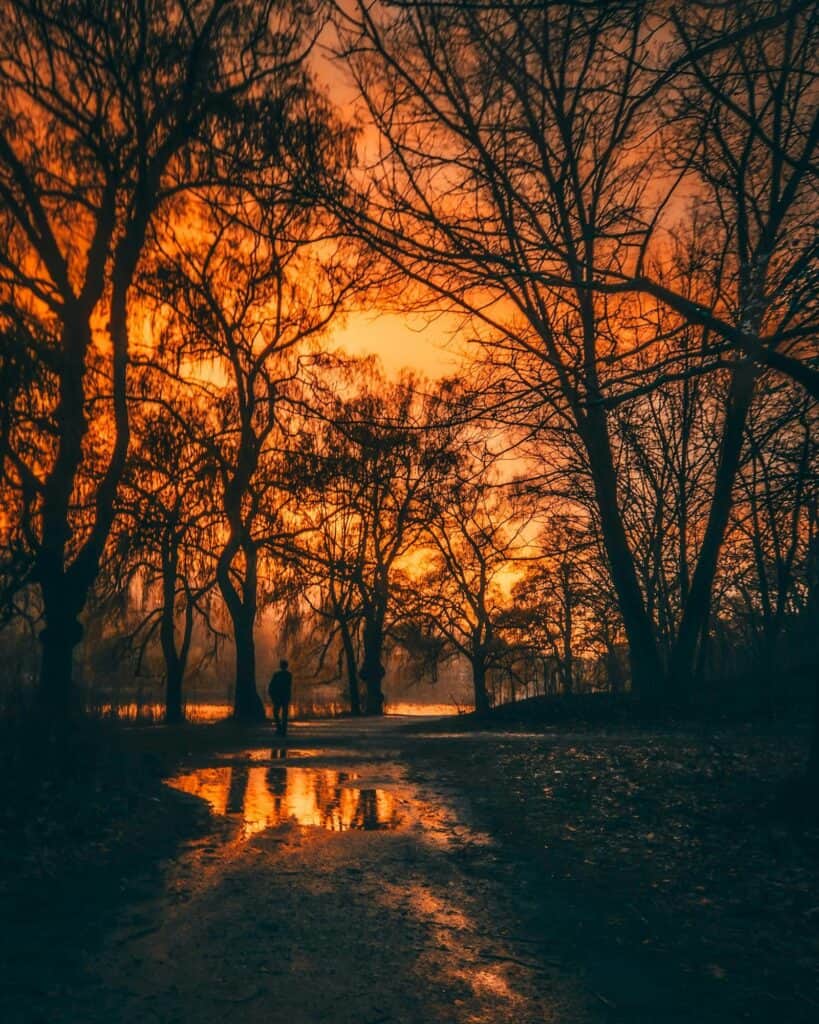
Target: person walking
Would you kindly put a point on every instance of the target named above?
(280, 688)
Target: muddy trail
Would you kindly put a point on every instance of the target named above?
(335, 884)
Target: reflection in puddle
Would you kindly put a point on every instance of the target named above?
(263, 797)
(276, 754)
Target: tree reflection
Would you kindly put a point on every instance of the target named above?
(237, 789)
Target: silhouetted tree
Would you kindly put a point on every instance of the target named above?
(247, 301)
(380, 460)
(163, 543)
(771, 534)
(476, 529)
(503, 193)
(108, 112)
(333, 555)
(529, 173)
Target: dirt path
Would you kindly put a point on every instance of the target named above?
(334, 890)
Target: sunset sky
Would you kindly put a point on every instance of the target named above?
(399, 341)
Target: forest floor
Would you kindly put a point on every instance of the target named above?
(422, 872)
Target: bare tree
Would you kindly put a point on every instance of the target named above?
(109, 110)
(378, 464)
(162, 542)
(250, 301)
(530, 175)
(510, 172)
(748, 133)
(771, 534)
(476, 530)
(333, 554)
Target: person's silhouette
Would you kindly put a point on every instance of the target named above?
(279, 690)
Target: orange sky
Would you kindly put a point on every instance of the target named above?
(399, 341)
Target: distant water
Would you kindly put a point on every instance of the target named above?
(204, 712)
(410, 708)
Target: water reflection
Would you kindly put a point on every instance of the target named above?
(414, 710)
(196, 711)
(276, 754)
(263, 797)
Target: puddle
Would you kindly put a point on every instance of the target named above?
(259, 797)
(276, 754)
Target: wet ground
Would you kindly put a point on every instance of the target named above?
(409, 871)
(336, 885)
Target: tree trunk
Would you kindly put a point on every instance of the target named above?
(63, 597)
(372, 670)
(568, 626)
(62, 605)
(247, 705)
(647, 673)
(482, 706)
(174, 709)
(174, 667)
(65, 590)
(352, 669)
(698, 606)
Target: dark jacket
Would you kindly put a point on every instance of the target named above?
(280, 685)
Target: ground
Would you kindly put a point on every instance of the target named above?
(693, 888)
(378, 873)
